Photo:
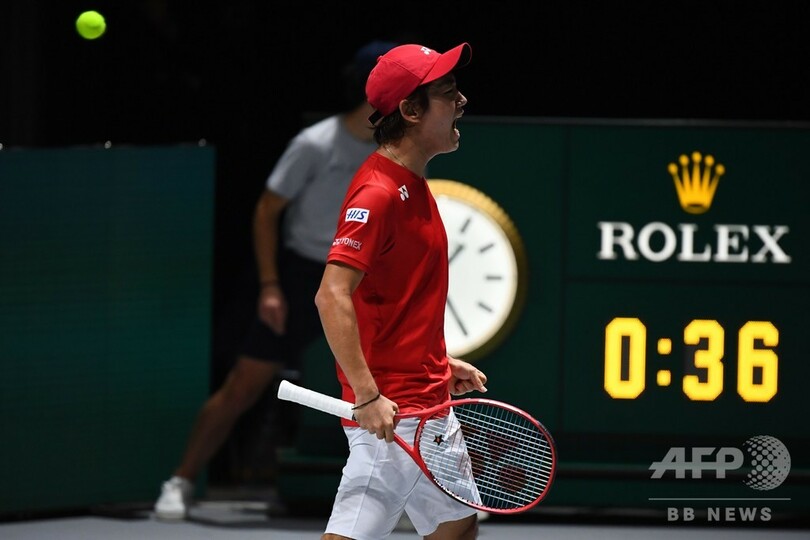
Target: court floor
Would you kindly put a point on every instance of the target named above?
(239, 520)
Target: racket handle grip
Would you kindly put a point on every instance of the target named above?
(315, 400)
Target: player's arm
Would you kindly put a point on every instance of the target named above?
(465, 377)
(339, 320)
(266, 237)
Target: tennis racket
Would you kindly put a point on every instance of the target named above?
(486, 454)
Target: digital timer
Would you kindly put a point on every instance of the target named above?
(757, 362)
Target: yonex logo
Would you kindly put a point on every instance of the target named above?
(350, 242)
(357, 214)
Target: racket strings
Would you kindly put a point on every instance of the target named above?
(488, 455)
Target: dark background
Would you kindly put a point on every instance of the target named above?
(242, 75)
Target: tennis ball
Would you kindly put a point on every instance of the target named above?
(91, 25)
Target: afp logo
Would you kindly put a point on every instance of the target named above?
(768, 462)
(357, 214)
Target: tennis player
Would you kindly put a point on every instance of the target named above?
(382, 298)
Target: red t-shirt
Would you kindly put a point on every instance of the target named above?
(390, 228)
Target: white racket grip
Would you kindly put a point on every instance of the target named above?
(315, 400)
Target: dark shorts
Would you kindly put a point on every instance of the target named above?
(300, 278)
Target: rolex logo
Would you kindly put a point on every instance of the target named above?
(696, 181)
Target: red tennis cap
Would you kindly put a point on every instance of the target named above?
(403, 69)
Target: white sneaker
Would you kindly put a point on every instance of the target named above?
(175, 499)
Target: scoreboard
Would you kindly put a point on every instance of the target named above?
(665, 307)
(686, 276)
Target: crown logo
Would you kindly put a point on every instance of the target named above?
(696, 184)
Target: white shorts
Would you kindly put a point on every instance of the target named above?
(379, 482)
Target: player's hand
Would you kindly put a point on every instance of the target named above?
(378, 418)
(273, 309)
(464, 377)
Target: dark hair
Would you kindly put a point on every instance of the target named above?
(392, 127)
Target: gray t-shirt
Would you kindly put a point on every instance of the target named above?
(313, 173)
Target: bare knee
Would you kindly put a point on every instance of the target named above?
(246, 382)
(471, 532)
(470, 529)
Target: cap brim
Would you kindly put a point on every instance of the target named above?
(456, 57)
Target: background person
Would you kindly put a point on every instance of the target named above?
(294, 224)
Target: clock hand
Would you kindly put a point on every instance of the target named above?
(455, 252)
(455, 316)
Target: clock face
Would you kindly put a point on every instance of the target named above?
(487, 269)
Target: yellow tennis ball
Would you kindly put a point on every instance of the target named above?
(91, 25)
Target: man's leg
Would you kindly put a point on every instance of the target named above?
(243, 386)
